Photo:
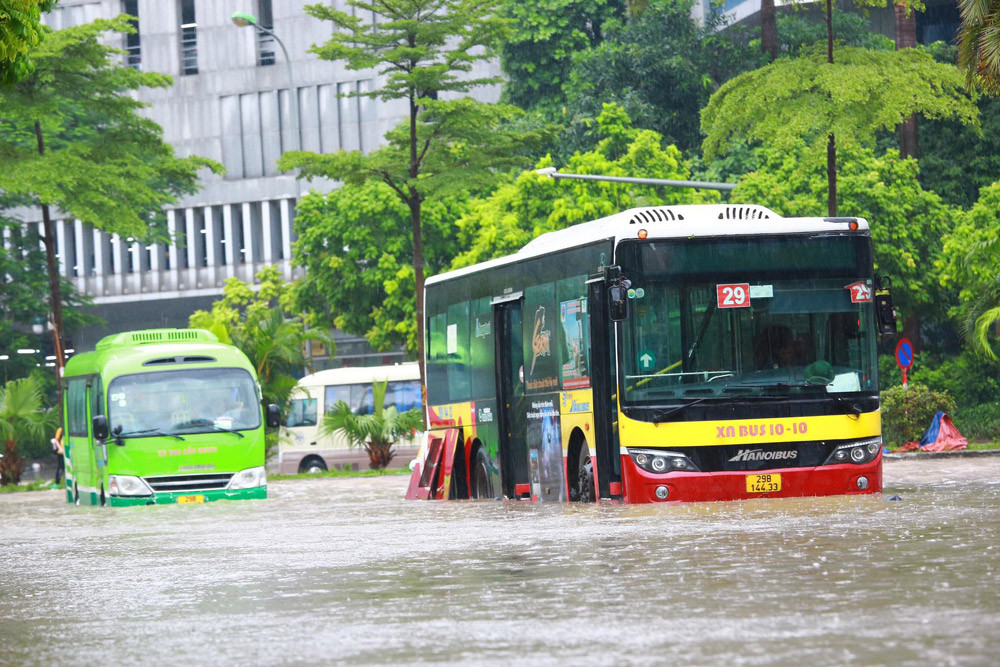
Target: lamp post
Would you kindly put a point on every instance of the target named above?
(244, 19)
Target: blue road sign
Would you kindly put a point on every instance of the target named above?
(904, 353)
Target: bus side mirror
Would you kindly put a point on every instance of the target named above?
(99, 424)
(273, 416)
(618, 303)
(885, 311)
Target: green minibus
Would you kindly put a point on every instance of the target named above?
(163, 416)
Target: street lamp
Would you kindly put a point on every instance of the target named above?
(244, 19)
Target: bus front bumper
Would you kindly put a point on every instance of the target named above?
(829, 480)
(259, 492)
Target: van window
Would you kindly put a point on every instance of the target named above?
(302, 412)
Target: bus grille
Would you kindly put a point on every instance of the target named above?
(177, 483)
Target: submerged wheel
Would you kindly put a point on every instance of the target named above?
(312, 464)
(480, 487)
(583, 489)
(458, 487)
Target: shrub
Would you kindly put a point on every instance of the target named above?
(906, 413)
(981, 422)
(968, 380)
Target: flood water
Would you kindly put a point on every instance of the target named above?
(345, 570)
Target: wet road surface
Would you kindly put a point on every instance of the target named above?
(345, 570)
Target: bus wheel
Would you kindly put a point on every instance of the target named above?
(583, 490)
(312, 464)
(480, 487)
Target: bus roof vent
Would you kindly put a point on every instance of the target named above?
(148, 336)
(190, 359)
(744, 213)
(655, 214)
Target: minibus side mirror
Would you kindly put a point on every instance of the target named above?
(273, 416)
(618, 303)
(99, 425)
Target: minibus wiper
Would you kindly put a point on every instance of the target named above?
(148, 431)
(198, 423)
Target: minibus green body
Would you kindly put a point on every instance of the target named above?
(163, 416)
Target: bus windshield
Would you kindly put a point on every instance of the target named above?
(203, 400)
(738, 317)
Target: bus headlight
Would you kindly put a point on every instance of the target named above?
(248, 479)
(860, 451)
(661, 462)
(126, 485)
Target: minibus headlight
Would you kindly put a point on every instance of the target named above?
(662, 462)
(859, 451)
(248, 479)
(126, 485)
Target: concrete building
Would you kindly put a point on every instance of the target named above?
(230, 102)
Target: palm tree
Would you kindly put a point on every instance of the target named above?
(376, 432)
(979, 42)
(21, 414)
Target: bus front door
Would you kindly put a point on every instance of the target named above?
(510, 397)
(605, 387)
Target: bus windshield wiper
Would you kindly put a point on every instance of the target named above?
(209, 424)
(663, 415)
(147, 431)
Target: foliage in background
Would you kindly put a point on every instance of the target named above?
(376, 432)
(806, 101)
(907, 221)
(955, 160)
(796, 101)
(799, 33)
(906, 413)
(971, 264)
(979, 422)
(962, 376)
(355, 246)
(258, 323)
(534, 204)
(537, 56)
(22, 415)
(20, 31)
(979, 43)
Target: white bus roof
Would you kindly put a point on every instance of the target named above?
(362, 375)
(695, 220)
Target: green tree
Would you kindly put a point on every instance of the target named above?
(355, 244)
(907, 221)
(807, 100)
(546, 35)
(970, 264)
(423, 51)
(661, 66)
(20, 31)
(74, 138)
(376, 432)
(534, 204)
(257, 323)
(979, 43)
(22, 414)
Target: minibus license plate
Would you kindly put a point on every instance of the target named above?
(200, 499)
(763, 483)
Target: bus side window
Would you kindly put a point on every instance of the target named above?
(457, 346)
(437, 359)
(482, 350)
(76, 407)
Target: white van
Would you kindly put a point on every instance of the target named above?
(302, 449)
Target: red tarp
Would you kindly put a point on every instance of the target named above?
(940, 436)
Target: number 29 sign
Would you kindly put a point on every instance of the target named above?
(736, 295)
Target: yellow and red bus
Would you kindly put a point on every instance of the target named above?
(678, 353)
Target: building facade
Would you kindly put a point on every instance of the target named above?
(235, 100)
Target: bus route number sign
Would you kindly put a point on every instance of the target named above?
(736, 295)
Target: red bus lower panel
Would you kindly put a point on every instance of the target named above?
(838, 479)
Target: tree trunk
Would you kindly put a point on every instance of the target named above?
(768, 29)
(906, 38)
(11, 465)
(831, 143)
(418, 247)
(55, 289)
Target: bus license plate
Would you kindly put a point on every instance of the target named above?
(181, 500)
(763, 483)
